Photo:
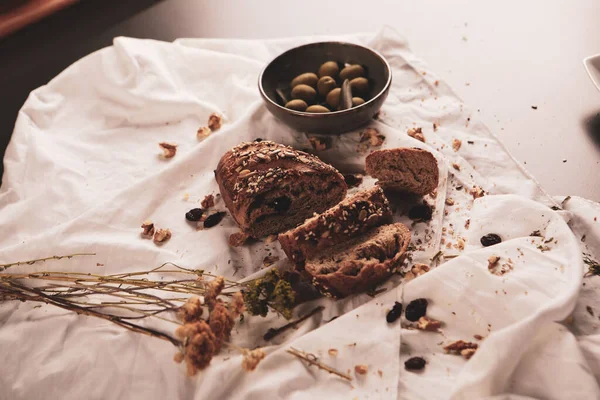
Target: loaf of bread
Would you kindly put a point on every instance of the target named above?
(409, 170)
(269, 187)
(361, 263)
(348, 219)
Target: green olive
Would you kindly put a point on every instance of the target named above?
(333, 98)
(296, 105)
(330, 68)
(357, 101)
(317, 109)
(360, 86)
(325, 85)
(307, 78)
(351, 72)
(304, 92)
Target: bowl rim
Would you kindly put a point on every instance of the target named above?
(325, 115)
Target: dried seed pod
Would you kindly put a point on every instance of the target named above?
(352, 71)
(308, 78)
(357, 101)
(360, 86)
(329, 68)
(304, 92)
(317, 109)
(325, 85)
(296, 105)
(333, 98)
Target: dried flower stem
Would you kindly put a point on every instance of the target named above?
(312, 359)
(30, 262)
(272, 332)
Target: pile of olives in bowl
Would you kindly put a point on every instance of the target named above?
(334, 87)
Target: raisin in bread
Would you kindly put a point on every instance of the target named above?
(269, 187)
(404, 169)
(360, 263)
(343, 221)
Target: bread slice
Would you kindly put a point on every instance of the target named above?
(269, 187)
(409, 170)
(348, 219)
(361, 263)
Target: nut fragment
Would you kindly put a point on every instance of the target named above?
(476, 192)
(372, 136)
(449, 201)
(162, 235)
(416, 270)
(209, 201)
(468, 353)
(238, 239)
(456, 166)
(416, 133)
(169, 149)
(203, 132)
(456, 144)
(458, 346)
(492, 261)
(428, 324)
(148, 229)
(361, 369)
(333, 352)
(214, 122)
(318, 143)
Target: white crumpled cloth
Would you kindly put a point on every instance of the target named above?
(82, 172)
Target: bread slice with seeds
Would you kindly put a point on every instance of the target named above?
(409, 170)
(348, 219)
(269, 187)
(361, 263)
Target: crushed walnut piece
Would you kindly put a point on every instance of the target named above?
(214, 122)
(496, 268)
(427, 324)
(238, 239)
(449, 201)
(203, 132)
(460, 244)
(372, 136)
(361, 369)
(493, 261)
(459, 347)
(169, 149)
(416, 270)
(208, 202)
(270, 260)
(456, 143)
(148, 229)
(162, 235)
(456, 166)
(477, 192)
(416, 133)
(319, 144)
(332, 352)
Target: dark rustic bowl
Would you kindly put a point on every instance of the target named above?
(279, 72)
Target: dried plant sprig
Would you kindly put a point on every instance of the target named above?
(30, 262)
(313, 360)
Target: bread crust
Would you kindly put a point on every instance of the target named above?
(269, 187)
(348, 219)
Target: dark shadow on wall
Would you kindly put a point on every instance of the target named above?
(31, 57)
(592, 126)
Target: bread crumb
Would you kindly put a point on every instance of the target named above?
(319, 144)
(493, 261)
(380, 373)
(169, 149)
(428, 324)
(478, 337)
(416, 133)
(456, 166)
(435, 126)
(333, 352)
(460, 244)
(214, 122)
(186, 196)
(476, 192)
(238, 239)
(361, 369)
(270, 239)
(456, 144)
(449, 201)
(208, 202)
(372, 136)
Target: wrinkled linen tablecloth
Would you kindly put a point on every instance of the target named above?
(82, 172)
